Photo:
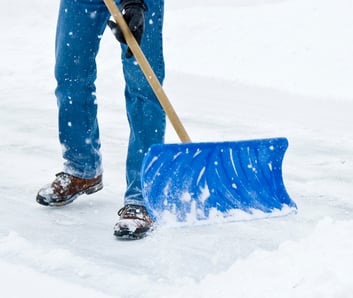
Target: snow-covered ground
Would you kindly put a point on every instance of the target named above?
(236, 69)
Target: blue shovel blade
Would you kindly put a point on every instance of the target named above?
(199, 177)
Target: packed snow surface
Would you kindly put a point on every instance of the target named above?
(236, 69)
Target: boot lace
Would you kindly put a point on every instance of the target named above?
(133, 211)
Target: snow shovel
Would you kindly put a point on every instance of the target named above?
(198, 181)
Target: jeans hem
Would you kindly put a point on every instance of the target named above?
(134, 201)
(84, 174)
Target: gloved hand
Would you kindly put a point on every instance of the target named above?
(134, 15)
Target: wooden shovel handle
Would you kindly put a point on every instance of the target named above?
(148, 71)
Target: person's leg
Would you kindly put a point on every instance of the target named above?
(79, 29)
(145, 114)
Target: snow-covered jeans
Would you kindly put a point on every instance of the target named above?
(80, 26)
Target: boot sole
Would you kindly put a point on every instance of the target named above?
(126, 234)
(90, 190)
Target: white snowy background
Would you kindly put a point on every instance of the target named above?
(236, 69)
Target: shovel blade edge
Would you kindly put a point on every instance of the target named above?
(196, 179)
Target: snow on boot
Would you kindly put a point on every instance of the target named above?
(66, 188)
(134, 223)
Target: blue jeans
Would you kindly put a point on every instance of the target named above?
(81, 24)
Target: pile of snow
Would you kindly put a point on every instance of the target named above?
(20, 281)
(319, 265)
(315, 266)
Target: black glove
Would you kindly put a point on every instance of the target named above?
(134, 15)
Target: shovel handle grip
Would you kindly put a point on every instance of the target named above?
(148, 71)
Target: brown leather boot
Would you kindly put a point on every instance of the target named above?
(134, 223)
(66, 188)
